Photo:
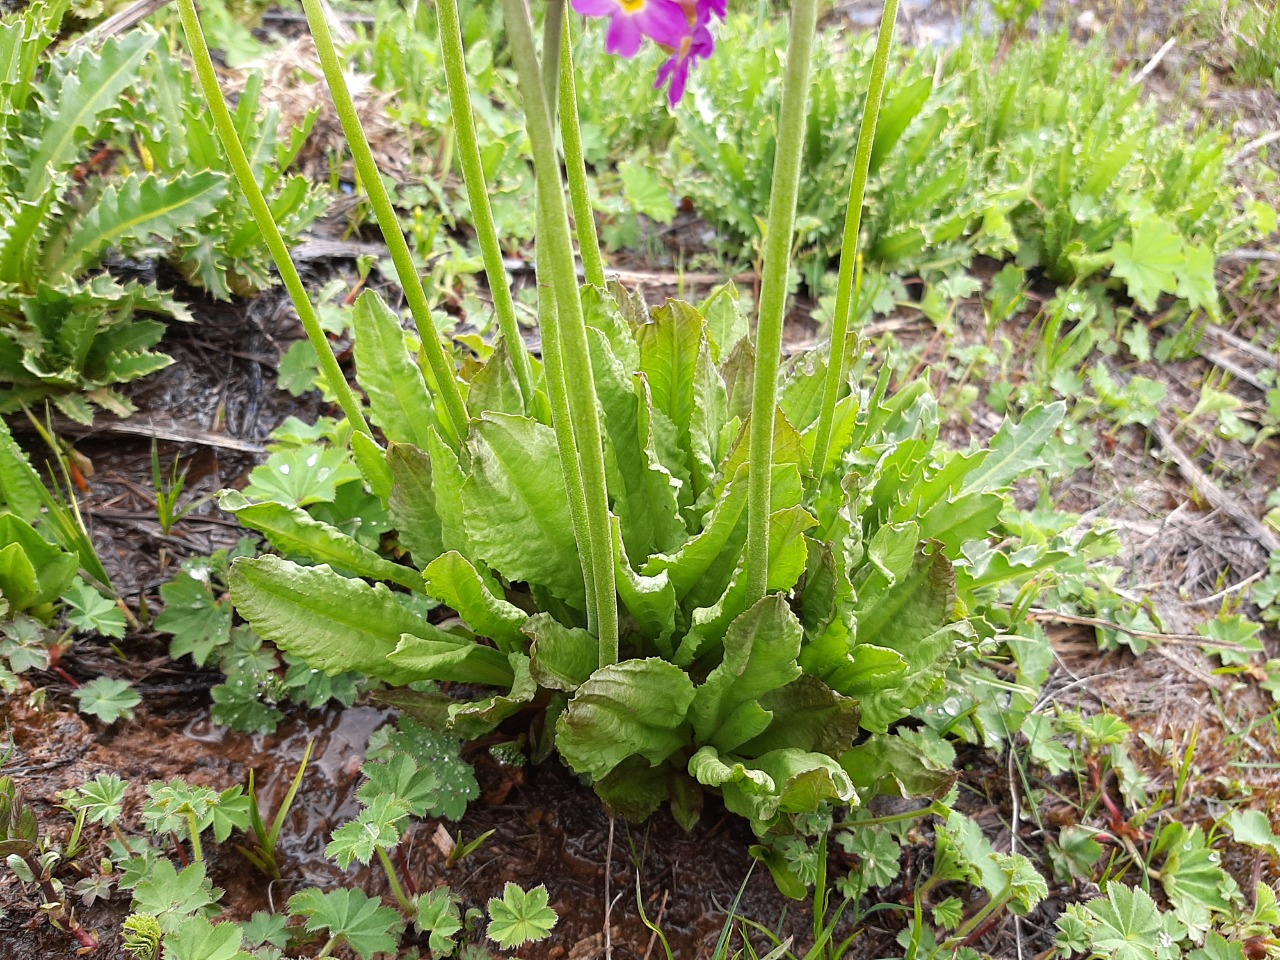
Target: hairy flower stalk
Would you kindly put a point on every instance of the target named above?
(773, 292)
(576, 369)
(464, 125)
(552, 355)
(576, 168)
(440, 365)
(243, 170)
(838, 360)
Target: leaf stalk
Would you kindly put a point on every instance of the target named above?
(441, 365)
(464, 125)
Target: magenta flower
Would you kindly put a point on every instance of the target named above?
(698, 44)
(630, 21)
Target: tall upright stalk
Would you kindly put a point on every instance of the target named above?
(552, 355)
(464, 124)
(441, 366)
(243, 170)
(576, 368)
(773, 292)
(838, 361)
(575, 166)
(562, 420)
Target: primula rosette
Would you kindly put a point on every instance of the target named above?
(681, 27)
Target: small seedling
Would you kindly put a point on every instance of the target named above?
(263, 855)
(168, 490)
(33, 860)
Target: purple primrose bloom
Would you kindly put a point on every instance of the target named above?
(630, 21)
(696, 45)
(681, 27)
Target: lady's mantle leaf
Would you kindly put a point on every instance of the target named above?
(520, 917)
(636, 707)
(352, 916)
(304, 475)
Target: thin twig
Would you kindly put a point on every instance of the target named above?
(1254, 145)
(1211, 492)
(1061, 616)
(1258, 352)
(608, 905)
(1153, 62)
(119, 22)
(1235, 588)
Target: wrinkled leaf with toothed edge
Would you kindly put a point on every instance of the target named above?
(632, 708)
(294, 531)
(515, 507)
(452, 579)
(398, 397)
(760, 649)
(334, 623)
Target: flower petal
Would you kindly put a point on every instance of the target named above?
(624, 36)
(597, 8)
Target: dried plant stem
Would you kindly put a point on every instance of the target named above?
(243, 170)
(773, 293)
(440, 365)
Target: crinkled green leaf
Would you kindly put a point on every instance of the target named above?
(334, 623)
(295, 532)
(398, 399)
(888, 764)
(515, 507)
(453, 580)
(562, 657)
(760, 649)
(636, 707)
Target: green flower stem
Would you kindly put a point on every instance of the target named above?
(552, 354)
(773, 292)
(562, 421)
(243, 171)
(441, 366)
(576, 168)
(572, 325)
(455, 71)
(552, 32)
(838, 361)
(935, 809)
(406, 905)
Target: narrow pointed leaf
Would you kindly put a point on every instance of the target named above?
(294, 531)
(398, 398)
